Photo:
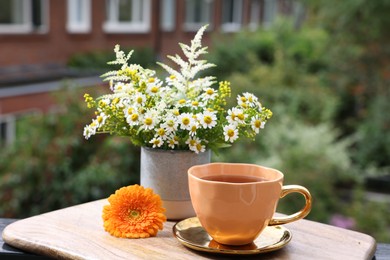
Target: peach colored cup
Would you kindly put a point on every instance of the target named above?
(236, 213)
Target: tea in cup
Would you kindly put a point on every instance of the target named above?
(235, 202)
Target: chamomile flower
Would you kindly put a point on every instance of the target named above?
(89, 130)
(256, 124)
(209, 94)
(170, 125)
(192, 143)
(156, 142)
(230, 132)
(236, 116)
(251, 99)
(199, 148)
(173, 140)
(140, 99)
(133, 119)
(194, 125)
(149, 120)
(185, 121)
(100, 120)
(161, 133)
(208, 119)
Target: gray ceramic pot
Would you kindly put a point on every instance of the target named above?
(165, 171)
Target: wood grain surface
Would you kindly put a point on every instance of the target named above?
(77, 233)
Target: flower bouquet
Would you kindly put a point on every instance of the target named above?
(184, 111)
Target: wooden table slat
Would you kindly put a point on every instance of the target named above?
(77, 233)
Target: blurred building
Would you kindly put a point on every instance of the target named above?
(37, 37)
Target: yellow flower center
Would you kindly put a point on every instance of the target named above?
(182, 101)
(134, 117)
(185, 121)
(241, 116)
(192, 142)
(243, 99)
(176, 112)
(198, 146)
(208, 119)
(100, 119)
(154, 89)
(172, 77)
(257, 123)
(139, 100)
(230, 132)
(151, 80)
(195, 103)
(161, 132)
(130, 110)
(170, 123)
(210, 91)
(148, 121)
(193, 128)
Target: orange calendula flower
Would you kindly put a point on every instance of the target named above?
(134, 212)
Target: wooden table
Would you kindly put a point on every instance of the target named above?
(77, 233)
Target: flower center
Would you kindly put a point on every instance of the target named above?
(257, 123)
(185, 121)
(134, 117)
(100, 119)
(148, 121)
(139, 100)
(230, 132)
(134, 213)
(210, 91)
(208, 119)
(241, 116)
(154, 89)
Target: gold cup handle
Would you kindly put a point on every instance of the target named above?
(298, 215)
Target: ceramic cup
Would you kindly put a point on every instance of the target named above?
(235, 212)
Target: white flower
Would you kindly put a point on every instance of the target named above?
(172, 141)
(140, 99)
(133, 118)
(149, 120)
(236, 116)
(208, 119)
(256, 124)
(185, 121)
(89, 130)
(251, 99)
(230, 132)
(170, 125)
(193, 127)
(161, 133)
(157, 142)
(195, 145)
(100, 120)
(128, 111)
(153, 86)
(209, 94)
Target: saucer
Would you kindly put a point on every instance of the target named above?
(191, 234)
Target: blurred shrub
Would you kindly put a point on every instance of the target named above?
(51, 166)
(242, 51)
(97, 60)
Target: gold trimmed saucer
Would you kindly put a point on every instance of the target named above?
(191, 234)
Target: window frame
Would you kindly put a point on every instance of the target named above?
(192, 26)
(236, 24)
(27, 26)
(83, 26)
(113, 25)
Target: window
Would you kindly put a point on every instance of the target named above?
(7, 130)
(23, 16)
(167, 15)
(270, 12)
(127, 16)
(79, 16)
(231, 15)
(254, 20)
(198, 13)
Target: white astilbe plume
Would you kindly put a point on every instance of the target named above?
(188, 69)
